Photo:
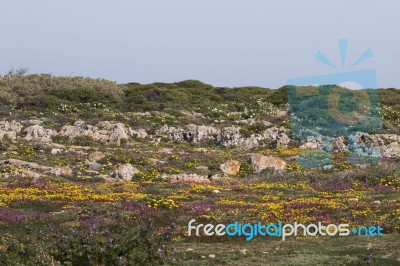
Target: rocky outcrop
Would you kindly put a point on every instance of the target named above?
(96, 156)
(172, 133)
(56, 151)
(390, 137)
(37, 133)
(260, 163)
(391, 150)
(360, 143)
(313, 144)
(338, 145)
(228, 136)
(10, 130)
(386, 145)
(190, 133)
(62, 171)
(230, 167)
(248, 143)
(329, 144)
(93, 166)
(138, 133)
(186, 178)
(126, 172)
(281, 114)
(11, 126)
(278, 136)
(231, 137)
(30, 169)
(193, 133)
(282, 141)
(367, 139)
(115, 132)
(104, 131)
(25, 165)
(252, 121)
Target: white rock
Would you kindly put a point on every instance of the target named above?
(96, 156)
(260, 163)
(138, 133)
(230, 167)
(126, 172)
(186, 178)
(9, 130)
(38, 133)
(104, 131)
(56, 151)
(62, 171)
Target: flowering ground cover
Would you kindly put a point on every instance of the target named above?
(98, 173)
(46, 210)
(85, 220)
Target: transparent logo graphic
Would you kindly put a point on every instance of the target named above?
(339, 104)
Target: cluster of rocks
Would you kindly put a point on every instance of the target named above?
(360, 143)
(231, 167)
(321, 143)
(260, 163)
(257, 161)
(124, 172)
(386, 145)
(127, 171)
(190, 133)
(34, 170)
(103, 131)
(227, 136)
(37, 133)
(10, 130)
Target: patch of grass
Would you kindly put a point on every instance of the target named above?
(303, 251)
(84, 141)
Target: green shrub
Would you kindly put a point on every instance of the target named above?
(84, 141)
(117, 242)
(86, 98)
(98, 238)
(256, 128)
(25, 90)
(59, 139)
(84, 95)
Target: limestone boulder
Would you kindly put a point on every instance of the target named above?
(96, 156)
(126, 172)
(10, 130)
(38, 133)
(260, 163)
(230, 167)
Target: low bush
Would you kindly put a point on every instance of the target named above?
(111, 238)
(84, 141)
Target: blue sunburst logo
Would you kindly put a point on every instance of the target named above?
(321, 108)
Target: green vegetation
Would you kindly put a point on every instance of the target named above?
(81, 239)
(65, 99)
(81, 218)
(304, 251)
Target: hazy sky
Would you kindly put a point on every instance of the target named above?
(220, 42)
